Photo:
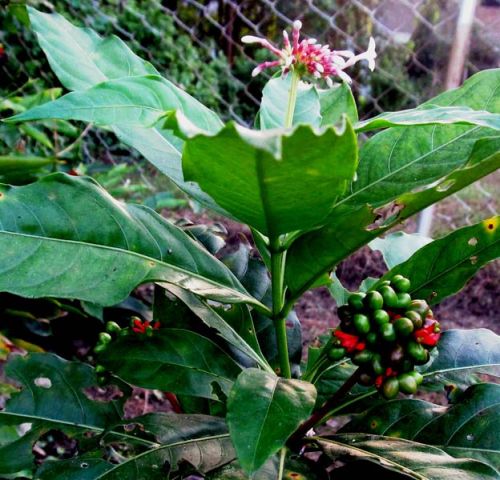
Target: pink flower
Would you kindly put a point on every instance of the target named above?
(308, 56)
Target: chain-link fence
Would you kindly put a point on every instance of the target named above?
(197, 44)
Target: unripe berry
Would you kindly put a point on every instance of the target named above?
(361, 323)
(356, 300)
(374, 300)
(112, 327)
(390, 388)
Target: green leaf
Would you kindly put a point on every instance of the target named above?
(336, 102)
(199, 440)
(129, 102)
(263, 411)
(399, 246)
(274, 181)
(99, 59)
(52, 396)
(65, 236)
(464, 429)
(465, 350)
(400, 160)
(444, 266)
(415, 460)
(48, 380)
(431, 115)
(103, 59)
(172, 360)
(274, 104)
(213, 320)
(349, 228)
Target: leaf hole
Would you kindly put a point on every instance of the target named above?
(84, 465)
(385, 215)
(473, 259)
(105, 394)
(43, 382)
(470, 437)
(472, 241)
(151, 264)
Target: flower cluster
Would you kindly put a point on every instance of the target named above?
(308, 56)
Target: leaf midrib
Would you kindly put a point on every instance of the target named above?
(123, 252)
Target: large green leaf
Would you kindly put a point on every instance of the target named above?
(174, 360)
(47, 381)
(274, 181)
(198, 440)
(399, 160)
(415, 460)
(468, 428)
(65, 236)
(336, 102)
(212, 319)
(443, 267)
(349, 228)
(465, 351)
(129, 101)
(99, 59)
(274, 104)
(263, 411)
(103, 59)
(431, 115)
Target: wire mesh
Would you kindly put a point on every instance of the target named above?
(197, 44)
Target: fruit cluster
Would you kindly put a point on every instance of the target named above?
(386, 333)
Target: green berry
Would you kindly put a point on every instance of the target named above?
(404, 300)
(336, 353)
(417, 352)
(387, 332)
(397, 278)
(104, 338)
(390, 388)
(419, 306)
(360, 358)
(377, 366)
(403, 326)
(361, 323)
(390, 297)
(402, 284)
(100, 369)
(112, 327)
(355, 300)
(374, 300)
(371, 338)
(383, 283)
(417, 376)
(124, 332)
(100, 347)
(415, 318)
(407, 383)
(380, 317)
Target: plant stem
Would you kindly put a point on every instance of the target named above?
(327, 407)
(282, 463)
(292, 99)
(279, 316)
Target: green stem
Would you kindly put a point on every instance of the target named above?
(292, 99)
(282, 463)
(279, 316)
